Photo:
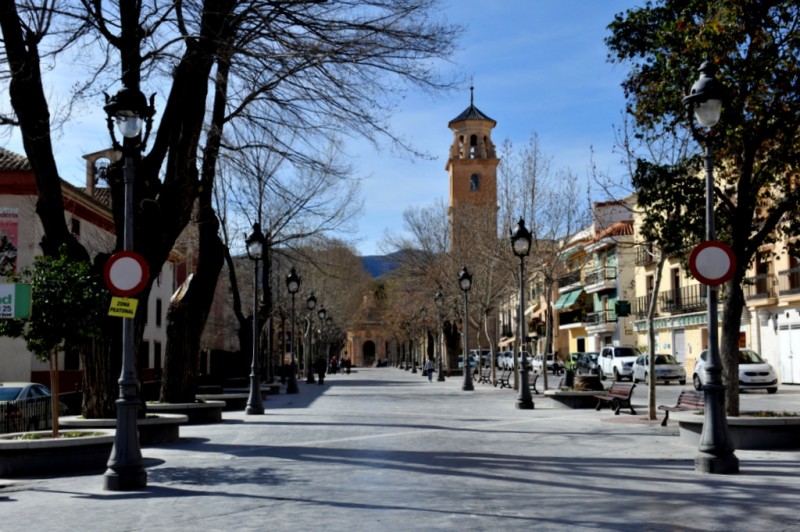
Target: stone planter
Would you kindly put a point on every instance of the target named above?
(47, 456)
(572, 398)
(197, 413)
(156, 429)
(747, 433)
(233, 401)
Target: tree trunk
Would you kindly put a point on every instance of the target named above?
(733, 304)
(651, 338)
(187, 315)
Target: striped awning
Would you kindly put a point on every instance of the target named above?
(567, 299)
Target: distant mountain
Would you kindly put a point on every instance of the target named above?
(378, 265)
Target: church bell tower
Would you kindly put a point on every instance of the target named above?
(472, 167)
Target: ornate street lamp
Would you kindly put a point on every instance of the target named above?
(465, 283)
(413, 348)
(521, 244)
(130, 110)
(322, 313)
(716, 450)
(438, 299)
(311, 304)
(293, 285)
(255, 251)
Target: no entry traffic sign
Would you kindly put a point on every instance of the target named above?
(712, 263)
(126, 273)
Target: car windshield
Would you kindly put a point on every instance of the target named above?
(665, 359)
(749, 357)
(9, 394)
(626, 352)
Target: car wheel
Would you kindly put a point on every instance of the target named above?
(601, 374)
(635, 380)
(698, 385)
(772, 390)
(682, 382)
(616, 374)
(646, 381)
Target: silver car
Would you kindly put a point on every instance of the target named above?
(754, 372)
(666, 369)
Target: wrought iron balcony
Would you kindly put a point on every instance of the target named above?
(759, 287)
(641, 304)
(572, 278)
(601, 275)
(645, 254)
(789, 281)
(683, 299)
(600, 317)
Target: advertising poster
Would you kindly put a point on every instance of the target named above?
(9, 239)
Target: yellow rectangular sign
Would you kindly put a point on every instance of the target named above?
(123, 307)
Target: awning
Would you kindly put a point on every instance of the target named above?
(567, 299)
(505, 342)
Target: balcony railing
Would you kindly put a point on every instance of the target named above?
(682, 299)
(645, 255)
(760, 286)
(600, 317)
(573, 277)
(641, 305)
(789, 281)
(571, 318)
(601, 275)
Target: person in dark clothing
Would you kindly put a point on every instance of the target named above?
(320, 366)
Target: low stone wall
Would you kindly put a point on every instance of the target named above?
(747, 433)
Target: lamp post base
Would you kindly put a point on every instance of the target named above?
(524, 403)
(727, 464)
(291, 385)
(440, 378)
(251, 410)
(127, 479)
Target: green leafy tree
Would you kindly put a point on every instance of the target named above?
(756, 47)
(68, 304)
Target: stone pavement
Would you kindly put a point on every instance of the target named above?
(383, 450)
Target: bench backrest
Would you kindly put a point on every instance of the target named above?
(622, 388)
(692, 398)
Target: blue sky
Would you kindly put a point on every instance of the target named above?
(539, 66)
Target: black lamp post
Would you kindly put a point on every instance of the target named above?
(293, 285)
(255, 251)
(465, 283)
(322, 313)
(521, 244)
(413, 342)
(716, 450)
(311, 304)
(130, 110)
(438, 299)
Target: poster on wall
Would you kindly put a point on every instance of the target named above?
(9, 240)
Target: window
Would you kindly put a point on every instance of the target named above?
(475, 182)
(75, 227)
(158, 312)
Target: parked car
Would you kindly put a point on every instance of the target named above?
(505, 360)
(473, 361)
(667, 369)
(485, 354)
(587, 364)
(552, 363)
(754, 372)
(25, 406)
(617, 361)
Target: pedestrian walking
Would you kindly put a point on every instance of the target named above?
(320, 366)
(429, 369)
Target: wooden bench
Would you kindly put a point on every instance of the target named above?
(485, 376)
(618, 396)
(559, 383)
(502, 380)
(688, 400)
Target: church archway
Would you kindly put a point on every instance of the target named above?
(369, 353)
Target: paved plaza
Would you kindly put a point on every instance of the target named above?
(383, 449)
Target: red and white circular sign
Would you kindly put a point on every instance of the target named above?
(126, 273)
(712, 262)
